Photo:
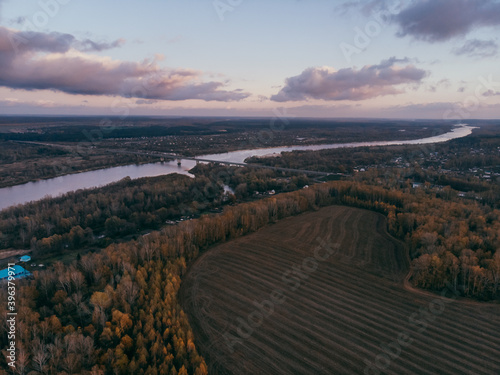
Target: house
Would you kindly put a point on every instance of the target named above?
(25, 258)
(19, 273)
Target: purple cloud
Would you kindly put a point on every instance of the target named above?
(477, 48)
(491, 93)
(25, 41)
(58, 62)
(350, 84)
(369, 7)
(88, 45)
(440, 20)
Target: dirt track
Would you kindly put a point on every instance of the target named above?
(336, 321)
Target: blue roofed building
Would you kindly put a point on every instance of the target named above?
(19, 273)
(25, 258)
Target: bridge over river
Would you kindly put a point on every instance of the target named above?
(167, 155)
(226, 162)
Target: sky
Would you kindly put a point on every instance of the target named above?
(414, 59)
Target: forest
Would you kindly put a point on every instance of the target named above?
(81, 318)
(77, 219)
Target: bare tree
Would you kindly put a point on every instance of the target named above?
(44, 330)
(48, 228)
(46, 280)
(88, 265)
(40, 356)
(71, 362)
(65, 282)
(55, 352)
(77, 279)
(22, 361)
(87, 350)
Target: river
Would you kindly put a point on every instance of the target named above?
(33, 191)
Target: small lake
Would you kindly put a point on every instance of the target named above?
(33, 191)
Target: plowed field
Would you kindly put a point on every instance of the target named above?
(325, 293)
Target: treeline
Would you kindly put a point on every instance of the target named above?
(77, 130)
(116, 210)
(11, 152)
(451, 242)
(80, 133)
(21, 163)
(337, 160)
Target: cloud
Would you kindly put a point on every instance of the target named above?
(145, 101)
(367, 7)
(59, 62)
(441, 20)
(89, 45)
(445, 82)
(347, 6)
(33, 41)
(491, 93)
(350, 84)
(477, 48)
